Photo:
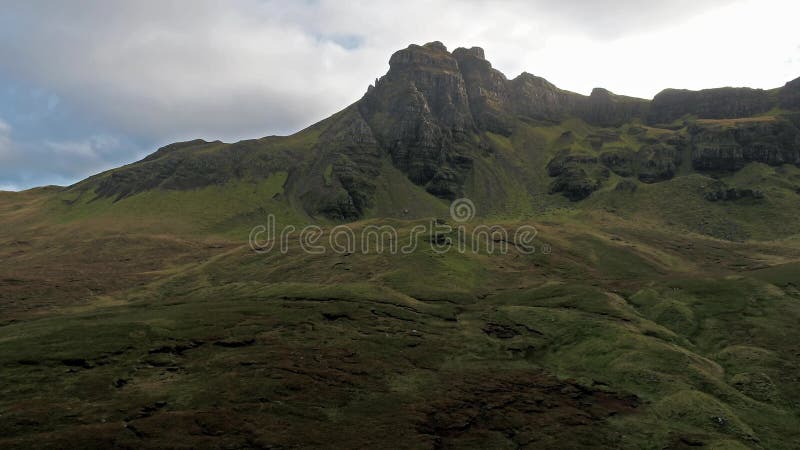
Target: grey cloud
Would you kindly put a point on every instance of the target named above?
(174, 69)
(7, 154)
(60, 162)
(5, 138)
(182, 68)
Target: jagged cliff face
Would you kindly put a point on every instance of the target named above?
(730, 146)
(421, 116)
(722, 103)
(431, 108)
(789, 95)
(451, 125)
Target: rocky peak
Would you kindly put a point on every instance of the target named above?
(605, 108)
(538, 98)
(436, 45)
(420, 113)
(430, 75)
(600, 92)
(474, 52)
(431, 56)
(472, 60)
(534, 81)
(432, 104)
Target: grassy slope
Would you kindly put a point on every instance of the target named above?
(149, 322)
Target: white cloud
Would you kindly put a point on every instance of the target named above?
(744, 44)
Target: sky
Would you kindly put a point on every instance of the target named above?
(90, 85)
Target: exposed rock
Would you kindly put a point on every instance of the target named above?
(500, 331)
(494, 99)
(419, 112)
(340, 184)
(657, 162)
(446, 183)
(721, 103)
(77, 362)
(756, 385)
(436, 45)
(487, 89)
(601, 137)
(574, 183)
(605, 108)
(721, 192)
(537, 98)
(235, 343)
(565, 159)
(651, 164)
(621, 161)
(176, 349)
(730, 146)
(789, 95)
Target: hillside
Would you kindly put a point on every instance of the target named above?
(440, 126)
(655, 307)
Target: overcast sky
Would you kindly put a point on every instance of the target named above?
(89, 85)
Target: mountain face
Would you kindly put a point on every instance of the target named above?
(721, 103)
(658, 307)
(442, 125)
(429, 111)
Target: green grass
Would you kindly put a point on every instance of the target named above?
(230, 209)
(656, 319)
(334, 342)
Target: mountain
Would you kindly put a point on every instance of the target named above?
(653, 305)
(441, 125)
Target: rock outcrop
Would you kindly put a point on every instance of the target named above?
(419, 113)
(575, 183)
(576, 174)
(719, 191)
(658, 162)
(721, 103)
(352, 158)
(490, 99)
(729, 146)
(789, 95)
(604, 108)
(651, 164)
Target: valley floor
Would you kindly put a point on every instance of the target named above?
(620, 336)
